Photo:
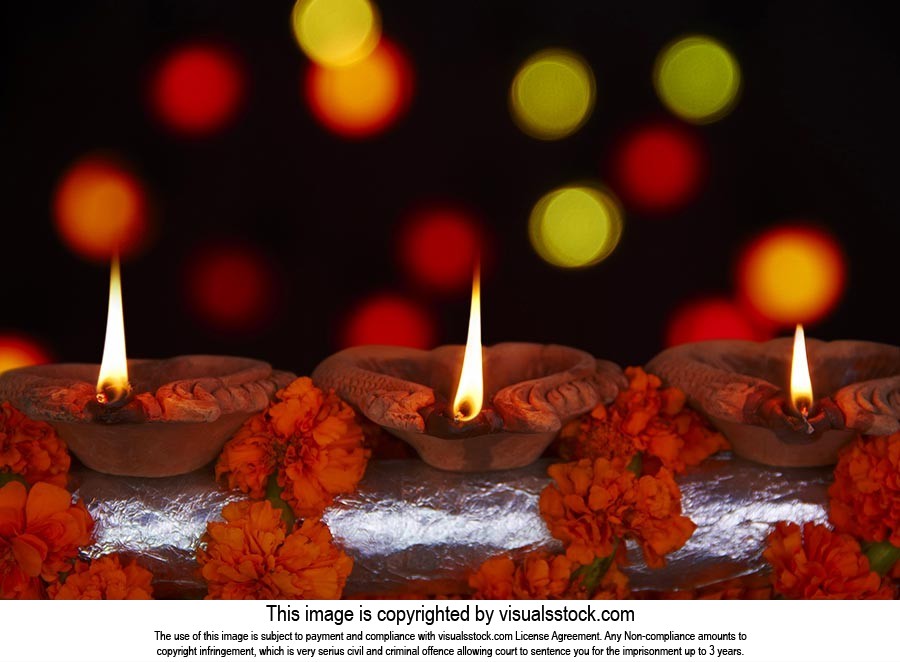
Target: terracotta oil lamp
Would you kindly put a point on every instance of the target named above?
(782, 405)
(143, 417)
(472, 408)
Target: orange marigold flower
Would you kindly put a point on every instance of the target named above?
(542, 576)
(40, 533)
(818, 563)
(308, 439)
(494, 579)
(248, 459)
(597, 434)
(252, 556)
(592, 504)
(104, 579)
(644, 418)
(865, 496)
(31, 449)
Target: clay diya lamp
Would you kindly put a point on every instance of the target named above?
(435, 400)
(148, 418)
(177, 417)
(782, 403)
(532, 391)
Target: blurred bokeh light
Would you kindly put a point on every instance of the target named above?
(575, 226)
(552, 94)
(660, 167)
(231, 287)
(791, 274)
(335, 33)
(18, 351)
(99, 208)
(438, 247)
(363, 98)
(197, 89)
(697, 78)
(710, 318)
(389, 319)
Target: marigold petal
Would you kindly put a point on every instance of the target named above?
(29, 552)
(13, 496)
(45, 500)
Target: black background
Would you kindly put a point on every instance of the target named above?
(814, 137)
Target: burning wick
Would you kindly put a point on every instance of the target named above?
(470, 391)
(113, 388)
(801, 383)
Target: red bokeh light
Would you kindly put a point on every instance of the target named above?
(388, 319)
(438, 248)
(197, 89)
(231, 288)
(100, 208)
(711, 318)
(18, 351)
(660, 167)
(363, 98)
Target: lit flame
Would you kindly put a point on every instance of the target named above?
(470, 391)
(801, 384)
(112, 385)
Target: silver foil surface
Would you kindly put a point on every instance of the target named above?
(158, 521)
(410, 527)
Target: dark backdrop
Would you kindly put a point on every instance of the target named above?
(813, 137)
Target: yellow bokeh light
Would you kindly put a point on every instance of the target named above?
(697, 78)
(575, 226)
(335, 33)
(792, 274)
(552, 94)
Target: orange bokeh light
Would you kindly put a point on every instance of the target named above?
(17, 351)
(710, 318)
(363, 98)
(439, 247)
(100, 208)
(389, 319)
(660, 167)
(197, 89)
(792, 274)
(231, 288)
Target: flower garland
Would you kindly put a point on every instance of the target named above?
(814, 562)
(618, 485)
(541, 576)
(42, 531)
(31, 449)
(646, 420)
(305, 448)
(292, 459)
(859, 556)
(104, 578)
(251, 555)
